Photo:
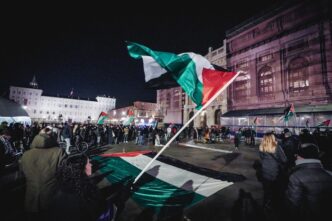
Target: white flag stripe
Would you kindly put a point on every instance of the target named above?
(152, 69)
(200, 63)
(175, 176)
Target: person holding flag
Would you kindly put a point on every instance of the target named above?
(253, 132)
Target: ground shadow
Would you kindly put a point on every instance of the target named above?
(230, 157)
(246, 208)
(120, 192)
(146, 215)
(177, 202)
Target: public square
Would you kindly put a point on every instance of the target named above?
(237, 103)
(226, 204)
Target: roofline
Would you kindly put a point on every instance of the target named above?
(260, 17)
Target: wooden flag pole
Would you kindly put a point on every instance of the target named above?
(187, 124)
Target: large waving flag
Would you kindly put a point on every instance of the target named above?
(169, 183)
(325, 123)
(102, 117)
(194, 73)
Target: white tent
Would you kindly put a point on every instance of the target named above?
(12, 112)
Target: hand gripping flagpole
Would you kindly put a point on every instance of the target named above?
(186, 124)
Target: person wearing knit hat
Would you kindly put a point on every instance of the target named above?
(309, 191)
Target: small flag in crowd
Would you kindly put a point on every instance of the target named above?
(130, 117)
(168, 184)
(130, 112)
(102, 117)
(325, 123)
(194, 73)
(289, 112)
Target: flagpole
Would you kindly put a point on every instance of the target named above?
(187, 124)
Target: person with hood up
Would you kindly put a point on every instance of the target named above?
(39, 165)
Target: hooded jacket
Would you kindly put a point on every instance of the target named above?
(39, 165)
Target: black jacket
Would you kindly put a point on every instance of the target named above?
(272, 163)
(309, 191)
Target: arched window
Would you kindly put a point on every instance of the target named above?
(266, 81)
(298, 78)
(217, 115)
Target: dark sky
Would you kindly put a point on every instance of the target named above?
(85, 48)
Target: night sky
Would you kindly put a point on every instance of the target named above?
(85, 49)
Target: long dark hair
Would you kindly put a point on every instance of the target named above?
(72, 178)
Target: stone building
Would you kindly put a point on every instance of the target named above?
(44, 108)
(212, 114)
(144, 113)
(286, 54)
(170, 102)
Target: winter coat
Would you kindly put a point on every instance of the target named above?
(67, 206)
(272, 163)
(290, 148)
(309, 191)
(39, 166)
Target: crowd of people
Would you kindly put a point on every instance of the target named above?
(296, 175)
(295, 169)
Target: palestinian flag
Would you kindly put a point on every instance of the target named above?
(128, 120)
(102, 117)
(194, 73)
(325, 123)
(168, 184)
(289, 112)
(130, 117)
(130, 112)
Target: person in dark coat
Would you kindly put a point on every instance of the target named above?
(290, 148)
(309, 191)
(237, 138)
(77, 198)
(272, 159)
(39, 165)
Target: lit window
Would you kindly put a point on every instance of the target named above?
(265, 76)
(298, 76)
(242, 86)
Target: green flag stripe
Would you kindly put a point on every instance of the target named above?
(182, 68)
(155, 193)
(101, 119)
